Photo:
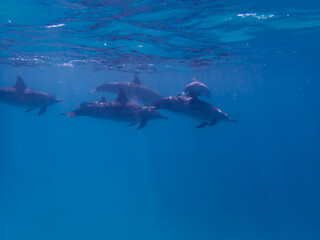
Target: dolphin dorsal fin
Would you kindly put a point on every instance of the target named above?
(103, 99)
(194, 79)
(20, 84)
(136, 79)
(122, 98)
(193, 95)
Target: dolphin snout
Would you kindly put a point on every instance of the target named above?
(59, 100)
(232, 120)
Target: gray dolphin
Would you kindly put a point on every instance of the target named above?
(20, 95)
(134, 90)
(196, 88)
(193, 107)
(119, 110)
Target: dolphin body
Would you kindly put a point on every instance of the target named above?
(193, 107)
(196, 88)
(21, 96)
(133, 90)
(119, 110)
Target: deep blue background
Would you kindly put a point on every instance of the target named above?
(84, 178)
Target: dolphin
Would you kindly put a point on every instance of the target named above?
(193, 107)
(20, 95)
(196, 88)
(134, 90)
(120, 109)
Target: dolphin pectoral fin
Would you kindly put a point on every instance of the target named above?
(202, 125)
(214, 122)
(142, 124)
(132, 124)
(28, 110)
(42, 110)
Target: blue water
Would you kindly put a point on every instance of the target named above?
(86, 178)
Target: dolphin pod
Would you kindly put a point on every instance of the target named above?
(122, 109)
(134, 90)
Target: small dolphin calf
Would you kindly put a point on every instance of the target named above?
(192, 107)
(196, 88)
(134, 90)
(119, 110)
(20, 95)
